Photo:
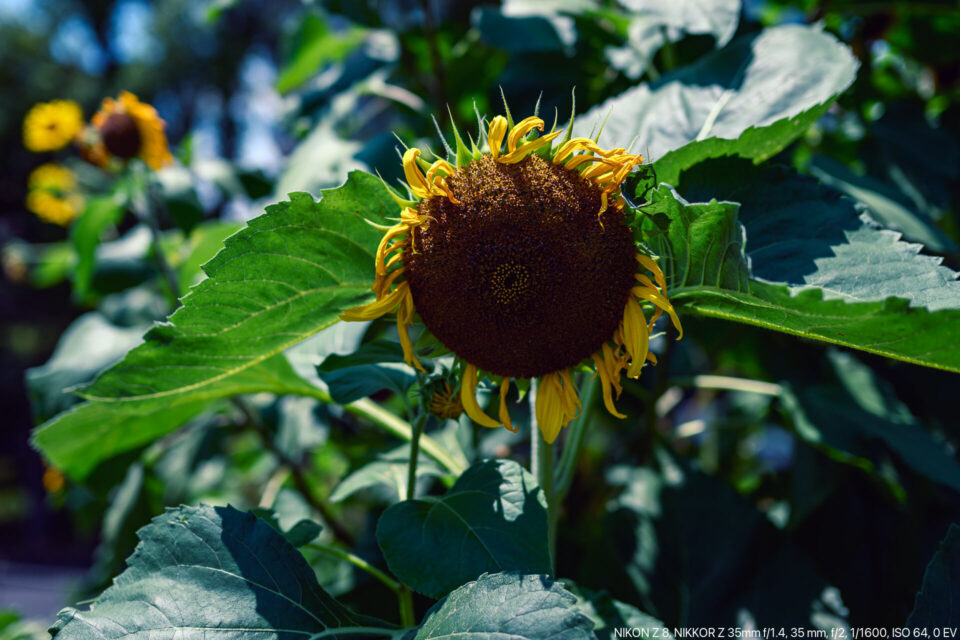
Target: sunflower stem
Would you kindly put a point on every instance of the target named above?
(567, 465)
(541, 465)
(146, 202)
(415, 453)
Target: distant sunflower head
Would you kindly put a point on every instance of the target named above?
(517, 258)
(128, 129)
(51, 194)
(50, 126)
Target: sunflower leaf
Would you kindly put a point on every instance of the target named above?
(862, 289)
(214, 569)
(278, 281)
(494, 518)
(751, 98)
(939, 596)
(507, 605)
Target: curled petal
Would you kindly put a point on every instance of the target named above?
(522, 128)
(605, 386)
(504, 415)
(526, 149)
(378, 308)
(647, 263)
(549, 407)
(468, 397)
(636, 337)
(415, 178)
(660, 301)
(495, 135)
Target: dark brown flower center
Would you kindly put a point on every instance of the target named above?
(120, 135)
(521, 278)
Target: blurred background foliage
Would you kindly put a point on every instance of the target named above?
(819, 482)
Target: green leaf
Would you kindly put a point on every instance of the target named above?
(703, 245)
(375, 366)
(78, 440)
(718, 18)
(388, 472)
(507, 605)
(849, 419)
(779, 81)
(688, 579)
(209, 569)
(938, 602)
(886, 205)
(870, 267)
(89, 344)
(804, 234)
(283, 278)
(494, 518)
(608, 615)
(316, 45)
(85, 235)
(204, 243)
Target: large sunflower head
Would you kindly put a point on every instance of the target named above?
(517, 258)
(52, 194)
(129, 129)
(50, 126)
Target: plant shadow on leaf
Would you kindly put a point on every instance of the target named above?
(700, 555)
(493, 519)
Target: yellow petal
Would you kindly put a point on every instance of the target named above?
(504, 414)
(413, 174)
(636, 339)
(662, 302)
(654, 268)
(495, 135)
(526, 149)
(378, 308)
(404, 319)
(522, 128)
(605, 386)
(383, 248)
(549, 407)
(468, 397)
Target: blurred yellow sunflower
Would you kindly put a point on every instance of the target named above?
(519, 261)
(51, 194)
(129, 129)
(50, 126)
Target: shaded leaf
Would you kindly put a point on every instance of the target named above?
(507, 605)
(851, 418)
(758, 81)
(494, 518)
(718, 18)
(390, 472)
(938, 601)
(228, 572)
(375, 366)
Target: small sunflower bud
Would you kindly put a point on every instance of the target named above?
(445, 404)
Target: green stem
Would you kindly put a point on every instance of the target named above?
(567, 466)
(407, 617)
(415, 453)
(541, 465)
(359, 563)
(145, 206)
(728, 383)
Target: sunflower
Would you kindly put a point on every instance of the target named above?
(128, 129)
(519, 261)
(50, 126)
(51, 194)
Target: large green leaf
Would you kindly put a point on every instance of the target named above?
(871, 322)
(494, 518)
(210, 570)
(283, 278)
(77, 440)
(779, 81)
(316, 45)
(718, 18)
(938, 602)
(507, 605)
